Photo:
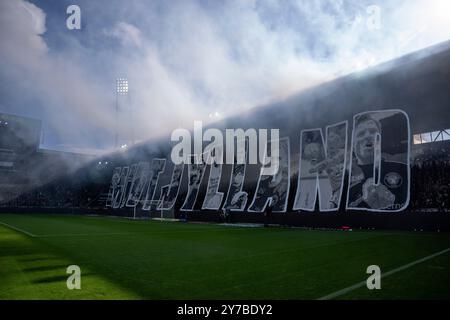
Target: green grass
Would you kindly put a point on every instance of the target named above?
(126, 259)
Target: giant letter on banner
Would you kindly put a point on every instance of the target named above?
(196, 170)
(321, 168)
(213, 198)
(128, 183)
(113, 187)
(379, 178)
(119, 192)
(138, 184)
(157, 167)
(237, 198)
(174, 187)
(273, 190)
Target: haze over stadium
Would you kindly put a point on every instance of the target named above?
(186, 60)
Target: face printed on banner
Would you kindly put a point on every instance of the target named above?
(238, 179)
(236, 199)
(213, 198)
(138, 184)
(273, 190)
(365, 134)
(128, 183)
(195, 174)
(113, 187)
(313, 152)
(119, 192)
(174, 188)
(380, 172)
(335, 166)
(176, 178)
(336, 139)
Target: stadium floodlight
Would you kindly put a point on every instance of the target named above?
(215, 115)
(121, 89)
(122, 86)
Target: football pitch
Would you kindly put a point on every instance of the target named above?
(144, 259)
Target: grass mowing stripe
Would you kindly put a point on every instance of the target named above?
(269, 253)
(391, 272)
(18, 229)
(290, 250)
(279, 277)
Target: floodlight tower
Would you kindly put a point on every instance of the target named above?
(121, 90)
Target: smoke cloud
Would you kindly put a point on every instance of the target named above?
(186, 60)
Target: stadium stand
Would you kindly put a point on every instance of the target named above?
(426, 73)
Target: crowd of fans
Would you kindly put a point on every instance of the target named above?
(57, 196)
(74, 191)
(430, 181)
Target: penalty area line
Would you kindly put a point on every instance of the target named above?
(18, 229)
(391, 272)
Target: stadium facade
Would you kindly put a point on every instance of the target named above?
(24, 166)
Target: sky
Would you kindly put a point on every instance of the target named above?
(189, 60)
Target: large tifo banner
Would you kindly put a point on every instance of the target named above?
(364, 165)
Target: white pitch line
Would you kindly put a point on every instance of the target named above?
(18, 229)
(363, 283)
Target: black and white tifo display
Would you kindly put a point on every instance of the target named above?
(363, 165)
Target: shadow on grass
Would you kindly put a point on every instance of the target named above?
(46, 268)
(59, 278)
(37, 259)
